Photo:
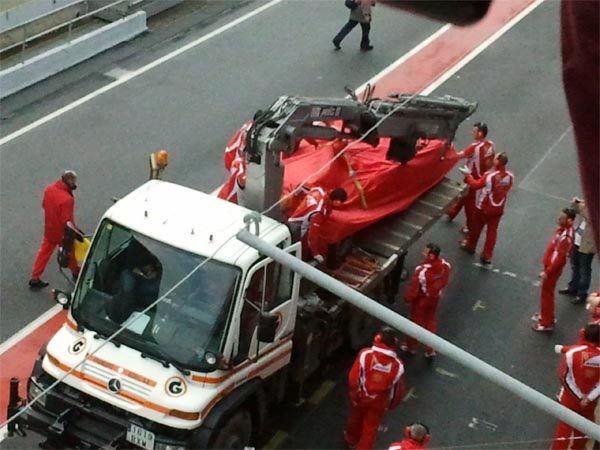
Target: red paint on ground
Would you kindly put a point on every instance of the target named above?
(18, 360)
(414, 75)
(443, 53)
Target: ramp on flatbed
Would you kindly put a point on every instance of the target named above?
(380, 249)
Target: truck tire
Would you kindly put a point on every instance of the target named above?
(235, 433)
(362, 328)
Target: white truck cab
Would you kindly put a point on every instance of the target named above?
(175, 361)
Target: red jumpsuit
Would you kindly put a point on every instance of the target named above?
(492, 190)
(311, 213)
(406, 444)
(424, 293)
(376, 385)
(479, 155)
(236, 145)
(556, 256)
(233, 188)
(579, 375)
(58, 204)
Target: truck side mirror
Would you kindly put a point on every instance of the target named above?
(62, 298)
(267, 327)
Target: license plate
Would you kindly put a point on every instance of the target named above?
(140, 437)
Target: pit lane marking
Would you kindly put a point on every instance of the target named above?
(277, 440)
(512, 275)
(410, 394)
(322, 391)
(445, 373)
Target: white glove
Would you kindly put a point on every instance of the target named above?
(558, 348)
(464, 170)
(319, 259)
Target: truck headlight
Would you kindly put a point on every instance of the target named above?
(161, 446)
(33, 390)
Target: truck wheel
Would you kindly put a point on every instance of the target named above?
(235, 433)
(361, 329)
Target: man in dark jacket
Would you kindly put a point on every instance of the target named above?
(360, 12)
(58, 204)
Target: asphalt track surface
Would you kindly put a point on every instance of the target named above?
(193, 103)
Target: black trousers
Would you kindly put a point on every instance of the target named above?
(348, 27)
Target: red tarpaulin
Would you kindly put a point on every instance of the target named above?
(388, 186)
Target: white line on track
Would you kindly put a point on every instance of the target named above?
(125, 78)
(485, 44)
(443, 78)
(29, 328)
(539, 163)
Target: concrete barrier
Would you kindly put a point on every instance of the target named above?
(67, 55)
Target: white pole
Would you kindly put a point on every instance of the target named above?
(406, 326)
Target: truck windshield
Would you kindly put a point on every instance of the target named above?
(126, 271)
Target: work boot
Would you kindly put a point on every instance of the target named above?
(336, 44)
(487, 263)
(36, 283)
(578, 299)
(368, 48)
(567, 291)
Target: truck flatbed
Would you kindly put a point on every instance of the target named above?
(379, 249)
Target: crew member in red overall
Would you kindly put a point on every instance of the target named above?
(311, 213)
(492, 191)
(557, 254)
(375, 385)
(236, 183)
(480, 158)
(424, 293)
(236, 145)
(58, 204)
(579, 375)
(416, 436)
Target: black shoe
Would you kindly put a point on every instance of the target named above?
(37, 284)
(336, 45)
(567, 291)
(485, 262)
(578, 299)
(368, 48)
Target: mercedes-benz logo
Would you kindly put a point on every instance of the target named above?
(114, 385)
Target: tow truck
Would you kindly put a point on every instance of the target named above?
(232, 329)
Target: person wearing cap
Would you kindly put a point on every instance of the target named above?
(416, 436)
(480, 158)
(555, 258)
(58, 204)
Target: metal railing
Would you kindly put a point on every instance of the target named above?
(69, 24)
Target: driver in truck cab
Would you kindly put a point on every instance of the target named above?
(311, 212)
(138, 283)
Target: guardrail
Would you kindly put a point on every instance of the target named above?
(69, 24)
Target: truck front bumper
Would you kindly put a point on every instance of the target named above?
(71, 419)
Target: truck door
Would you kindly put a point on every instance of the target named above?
(269, 288)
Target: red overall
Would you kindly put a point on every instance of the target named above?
(424, 294)
(233, 188)
(479, 155)
(311, 213)
(579, 375)
(58, 204)
(236, 145)
(375, 385)
(556, 256)
(492, 190)
(406, 444)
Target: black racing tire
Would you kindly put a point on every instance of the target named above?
(235, 433)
